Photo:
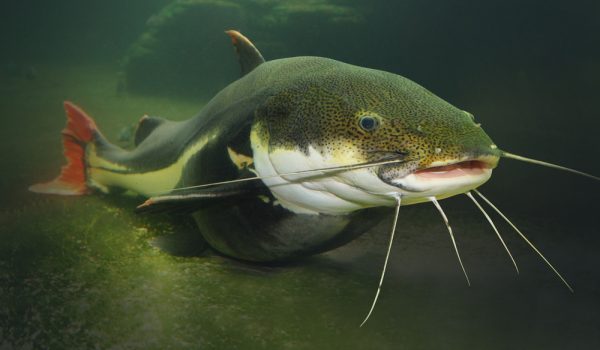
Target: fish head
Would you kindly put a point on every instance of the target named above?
(356, 116)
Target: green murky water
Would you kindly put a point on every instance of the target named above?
(87, 272)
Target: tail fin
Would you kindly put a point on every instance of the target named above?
(80, 131)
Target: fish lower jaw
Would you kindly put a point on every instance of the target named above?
(419, 187)
(347, 191)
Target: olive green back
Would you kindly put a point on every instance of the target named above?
(318, 102)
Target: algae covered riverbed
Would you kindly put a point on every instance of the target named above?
(87, 273)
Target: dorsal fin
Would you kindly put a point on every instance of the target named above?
(247, 53)
(145, 127)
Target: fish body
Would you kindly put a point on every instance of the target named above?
(280, 121)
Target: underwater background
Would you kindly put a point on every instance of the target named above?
(87, 272)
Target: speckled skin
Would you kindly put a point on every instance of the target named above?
(300, 104)
(301, 101)
(322, 106)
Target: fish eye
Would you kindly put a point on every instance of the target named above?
(368, 123)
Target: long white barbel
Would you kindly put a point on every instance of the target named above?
(525, 239)
(387, 256)
(546, 164)
(300, 172)
(489, 219)
(439, 208)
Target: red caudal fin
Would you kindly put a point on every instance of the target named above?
(77, 134)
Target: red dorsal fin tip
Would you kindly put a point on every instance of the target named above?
(234, 35)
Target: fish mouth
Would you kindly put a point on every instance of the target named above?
(472, 167)
(443, 179)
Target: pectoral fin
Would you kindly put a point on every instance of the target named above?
(185, 202)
